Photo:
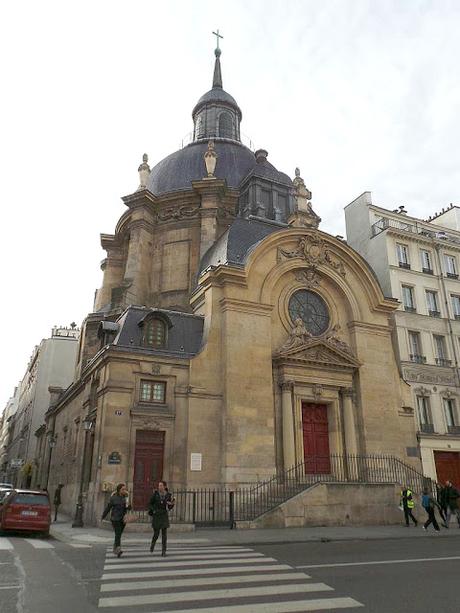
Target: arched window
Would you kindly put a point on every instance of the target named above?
(155, 333)
(199, 126)
(225, 125)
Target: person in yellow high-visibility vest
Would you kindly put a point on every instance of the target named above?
(407, 503)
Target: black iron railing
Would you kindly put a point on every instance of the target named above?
(224, 506)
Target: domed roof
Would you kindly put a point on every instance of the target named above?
(216, 94)
(234, 163)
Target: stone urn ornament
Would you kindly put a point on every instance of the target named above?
(210, 159)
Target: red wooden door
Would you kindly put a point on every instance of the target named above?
(315, 438)
(448, 466)
(148, 465)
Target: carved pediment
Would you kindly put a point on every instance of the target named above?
(321, 352)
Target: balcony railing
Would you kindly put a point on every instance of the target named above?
(434, 313)
(412, 228)
(452, 275)
(427, 271)
(405, 265)
(427, 428)
(443, 362)
(453, 429)
(457, 315)
(418, 359)
(410, 309)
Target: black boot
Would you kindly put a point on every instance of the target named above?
(152, 546)
(163, 553)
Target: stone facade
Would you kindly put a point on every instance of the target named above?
(194, 360)
(417, 262)
(52, 364)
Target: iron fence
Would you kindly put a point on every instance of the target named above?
(224, 506)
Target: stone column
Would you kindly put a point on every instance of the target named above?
(288, 424)
(351, 445)
(211, 191)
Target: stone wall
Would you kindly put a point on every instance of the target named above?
(337, 504)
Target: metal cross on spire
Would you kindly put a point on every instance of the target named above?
(217, 35)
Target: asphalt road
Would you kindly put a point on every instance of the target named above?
(47, 576)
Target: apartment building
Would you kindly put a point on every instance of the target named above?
(418, 262)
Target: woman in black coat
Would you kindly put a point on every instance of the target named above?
(160, 504)
(117, 507)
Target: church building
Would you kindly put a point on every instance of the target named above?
(231, 338)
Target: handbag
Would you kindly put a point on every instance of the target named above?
(129, 518)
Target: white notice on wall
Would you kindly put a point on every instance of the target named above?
(195, 461)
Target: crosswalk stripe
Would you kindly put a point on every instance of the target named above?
(244, 592)
(39, 544)
(145, 550)
(173, 557)
(320, 604)
(172, 563)
(193, 571)
(79, 546)
(5, 544)
(204, 581)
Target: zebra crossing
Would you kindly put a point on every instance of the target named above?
(7, 544)
(206, 579)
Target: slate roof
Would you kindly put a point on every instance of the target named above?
(235, 245)
(184, 332)
(234, 163)
(216, 94)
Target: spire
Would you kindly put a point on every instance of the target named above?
(217, 78)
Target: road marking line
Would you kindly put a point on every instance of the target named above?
(80, 546)
(204, 581)
(244, 592)
(5, 544)
(319, 604)
(174, 557)
(145, 550)
(336, 565)
(193, 571)
(10, 587)
(39, 544)
(174, 563)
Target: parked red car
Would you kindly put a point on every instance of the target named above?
(26, 510)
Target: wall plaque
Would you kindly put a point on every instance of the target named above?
(195, 461)
(114, 458)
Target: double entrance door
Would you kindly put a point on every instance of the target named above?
(315, 429)
(148, 465)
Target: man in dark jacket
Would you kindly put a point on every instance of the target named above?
(160, 504)
(452, 495)
(117, 507)
(57, 500)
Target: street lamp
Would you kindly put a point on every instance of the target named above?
(78, 519)
(52, 440)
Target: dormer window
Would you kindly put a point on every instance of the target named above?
(154, 333)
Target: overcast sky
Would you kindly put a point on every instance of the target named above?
(361, 95)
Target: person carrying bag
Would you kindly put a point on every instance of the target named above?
(160, 504)
(117, 507)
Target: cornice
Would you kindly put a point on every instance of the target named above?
(246, 306)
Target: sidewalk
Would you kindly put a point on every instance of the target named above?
(62, 530)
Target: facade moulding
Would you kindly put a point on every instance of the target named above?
(245, 306)
(369, 328)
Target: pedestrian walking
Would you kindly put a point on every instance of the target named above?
(452, 495)
(407, 503)
(57, 500)
(442, 503)
(160, 504)
(429, 504)
(117, 507)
